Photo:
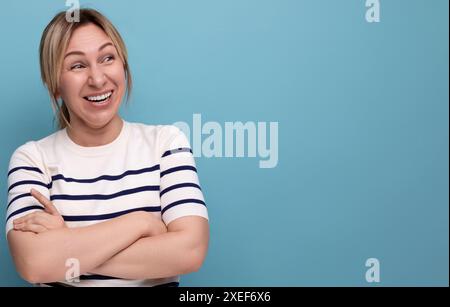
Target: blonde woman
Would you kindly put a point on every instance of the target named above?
(118, 202)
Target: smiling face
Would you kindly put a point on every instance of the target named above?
(92, 81)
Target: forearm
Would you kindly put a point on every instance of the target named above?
(165, 255)
(42, 257)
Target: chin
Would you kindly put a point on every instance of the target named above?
(98, 123)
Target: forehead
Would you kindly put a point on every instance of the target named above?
(87, 38)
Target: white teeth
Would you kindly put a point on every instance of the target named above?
(101, 97)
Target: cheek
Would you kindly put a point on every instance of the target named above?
(70, 86)
(117, 74)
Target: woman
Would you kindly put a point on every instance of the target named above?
(118, 201)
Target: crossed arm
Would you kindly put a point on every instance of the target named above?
(133, 246)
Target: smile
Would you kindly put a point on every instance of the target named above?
(98, 99)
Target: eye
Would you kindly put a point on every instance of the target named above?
(76, 67)
(108, 58)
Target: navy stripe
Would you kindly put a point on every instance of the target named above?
(176, 150)
(16, 198)
(178, 168)
(102, 277)
(107, 177)
(103, 196)
(23, 210)
(79, 218)
(169, 284)
(183, 201)
(48, 186)
(28, 168)
(180, 185)
(98, 277)
(57, 284)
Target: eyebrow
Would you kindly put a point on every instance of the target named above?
(82, 53)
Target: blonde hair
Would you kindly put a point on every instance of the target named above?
(54, 41)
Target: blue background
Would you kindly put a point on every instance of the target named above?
(363, 128)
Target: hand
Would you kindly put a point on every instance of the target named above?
(153, 225)
(38, 221)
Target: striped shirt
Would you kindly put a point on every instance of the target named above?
(146, 168)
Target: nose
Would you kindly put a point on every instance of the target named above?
(97, 77)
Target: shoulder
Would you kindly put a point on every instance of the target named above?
(160, 132)
(164, 137)
(26, 156)
(27, 150)
(32, 152)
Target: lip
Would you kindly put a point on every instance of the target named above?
(99, 94)
(104, 104)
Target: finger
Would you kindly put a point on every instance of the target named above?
(32, 228)
(31, 216)
(39, 219)
(48, 206)
(24, 218)
(19, 220)
(36, 194)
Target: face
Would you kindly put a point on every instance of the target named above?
(92, 81)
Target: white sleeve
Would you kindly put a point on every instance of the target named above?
(26, 171)
(180, 190)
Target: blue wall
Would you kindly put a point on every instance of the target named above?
(363, 128)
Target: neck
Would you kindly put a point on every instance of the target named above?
(87, 136)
